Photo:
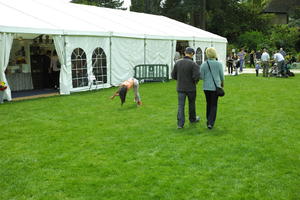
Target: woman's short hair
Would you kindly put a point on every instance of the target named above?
(211, 52)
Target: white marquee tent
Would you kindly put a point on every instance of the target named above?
(125, 38)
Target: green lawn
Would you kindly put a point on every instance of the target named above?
(86, 146)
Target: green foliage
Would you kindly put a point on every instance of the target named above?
(175, 9)
(295, 18)
(146, 6)
(86, 146)
(231, 19)
(188, 11)
(298, 57)
(278, 36)
(285, 36)
(101, 3)
(253, 40)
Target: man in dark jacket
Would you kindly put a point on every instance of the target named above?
(187, 74)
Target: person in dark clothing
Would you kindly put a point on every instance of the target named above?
(252, 57)
(187, 74)
(46, 59)
(258, 55)
(230, 59)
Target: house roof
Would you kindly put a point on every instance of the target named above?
(60, 17)
(281, 6)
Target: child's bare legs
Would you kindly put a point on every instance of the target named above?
(137, 97)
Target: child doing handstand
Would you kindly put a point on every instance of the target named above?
(124, 87)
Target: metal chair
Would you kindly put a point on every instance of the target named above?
(93, 81)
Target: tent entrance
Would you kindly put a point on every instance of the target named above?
(181, 45)
(29, 63)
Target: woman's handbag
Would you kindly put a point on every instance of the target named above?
(220, 91)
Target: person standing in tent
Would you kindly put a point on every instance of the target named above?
(46, 60)
(54, 70)
(187, 74)
(124, 87)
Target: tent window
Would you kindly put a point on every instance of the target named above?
(205, 56)
(99, 65)
(199, 56)
(79, 68)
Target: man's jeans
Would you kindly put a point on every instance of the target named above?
(281, 70)
(181, 104)
(241, 65)
(265, 65)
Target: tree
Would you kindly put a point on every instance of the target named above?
(285, 36)
(101, 3)
(253, 40)
(146, 6)
(191, 12)
(230, 18)
(175, 10)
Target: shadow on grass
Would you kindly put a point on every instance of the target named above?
(127, 107)
(216, 131)
(199, 129)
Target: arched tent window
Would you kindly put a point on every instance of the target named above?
(79, 68)
(199, 56)
(99, 65)
(205, 57)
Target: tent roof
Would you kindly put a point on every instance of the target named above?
(60, 17)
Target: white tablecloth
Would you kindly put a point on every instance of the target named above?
(19, 81)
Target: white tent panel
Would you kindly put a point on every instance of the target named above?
(64, 85)
(14, 20)
(219, 46)
(221, 51)
(159, 52)
(6, 41)
(200, 44)
(127, 54)
(51, 16)
(88, 44)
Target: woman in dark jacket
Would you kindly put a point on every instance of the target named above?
(211, 70)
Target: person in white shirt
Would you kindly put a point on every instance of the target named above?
(279, 59)
(54, 69)
(265, 59)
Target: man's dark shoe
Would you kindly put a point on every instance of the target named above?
(179, 127)
(209, 126)
(196, 120)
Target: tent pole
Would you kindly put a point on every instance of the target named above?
(145, 46)
(172, 57)
(110, 66)
(65, 52)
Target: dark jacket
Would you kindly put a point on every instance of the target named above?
(187, 74)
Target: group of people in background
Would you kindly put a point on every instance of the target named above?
(271, 66)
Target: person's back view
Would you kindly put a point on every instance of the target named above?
(187, 74)
(213, 76)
